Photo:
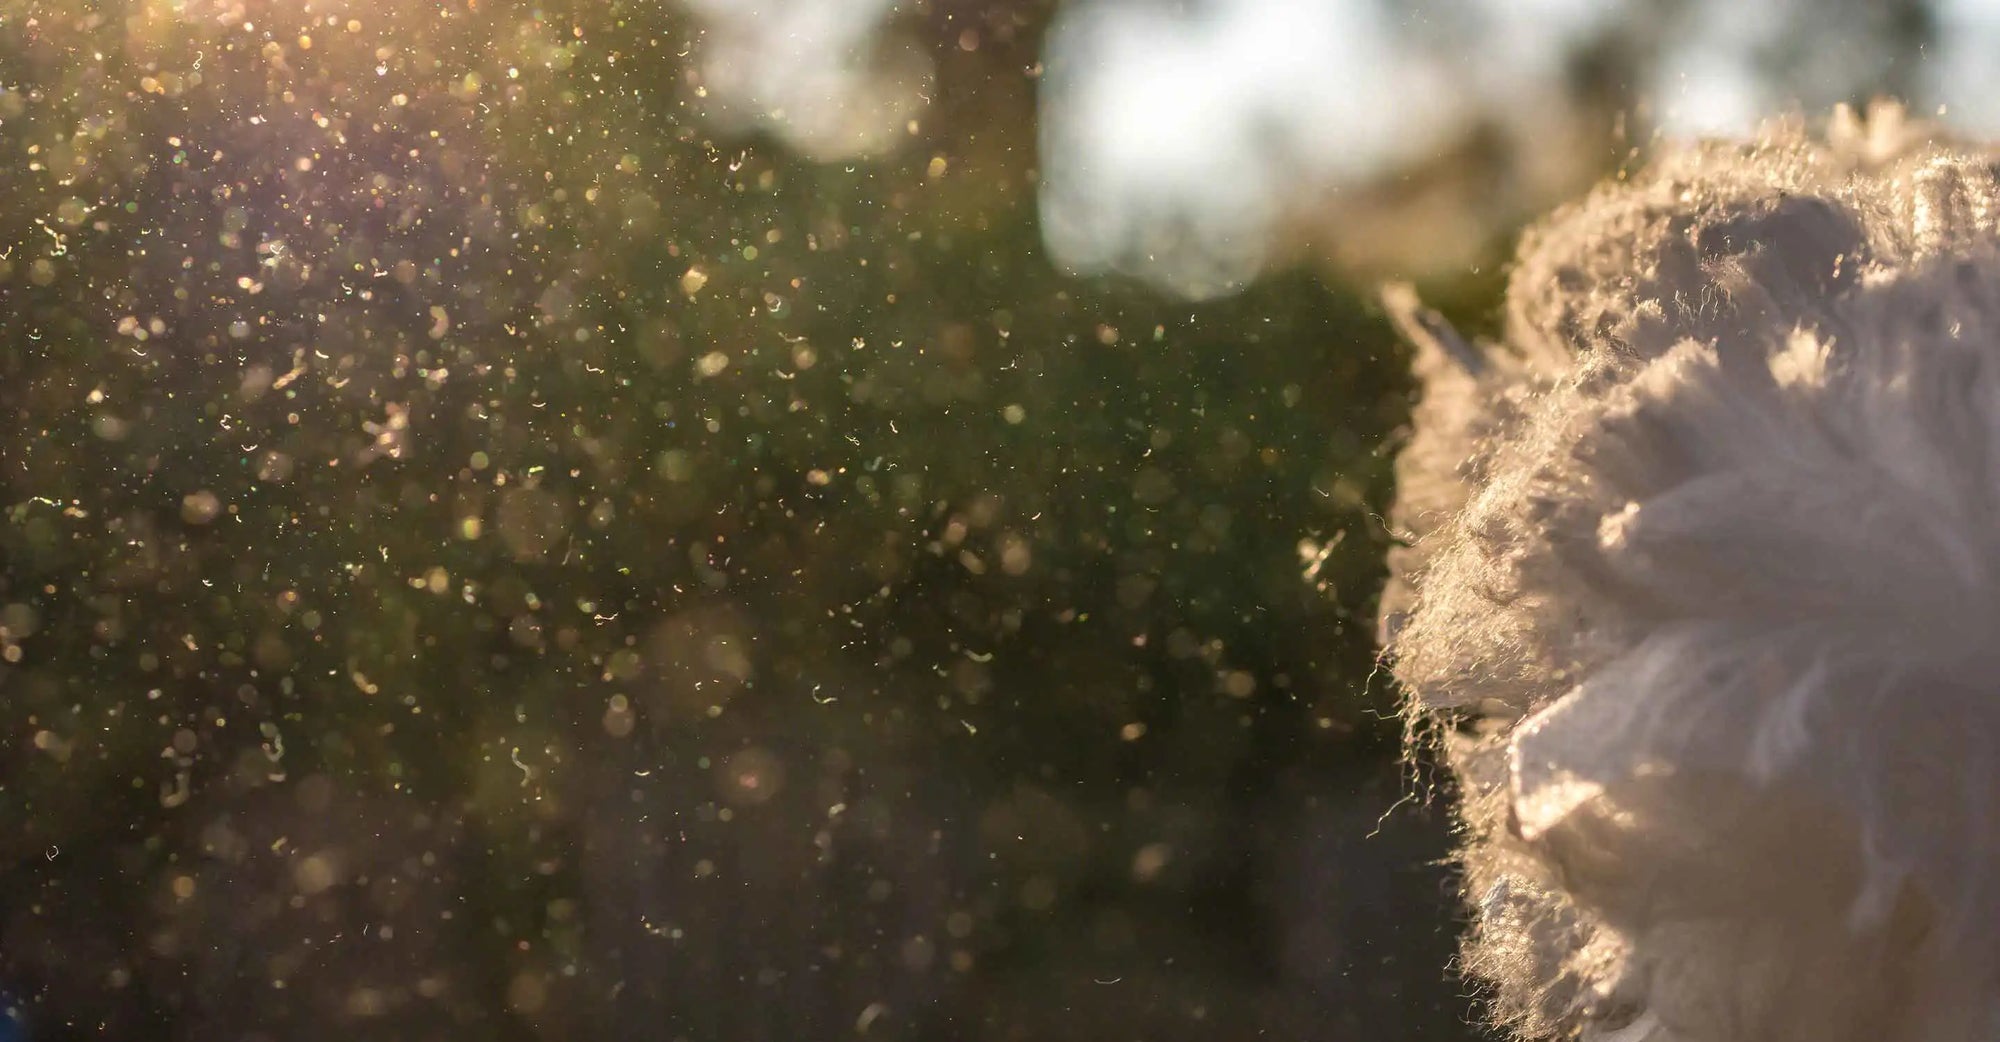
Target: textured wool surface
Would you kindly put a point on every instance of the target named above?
(1701, 598)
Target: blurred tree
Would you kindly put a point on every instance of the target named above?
(486, 552)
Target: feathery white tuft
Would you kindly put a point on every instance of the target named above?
(1702, 598)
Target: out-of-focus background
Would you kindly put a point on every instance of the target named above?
(764, 519)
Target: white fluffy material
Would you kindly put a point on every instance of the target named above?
(1701, 597)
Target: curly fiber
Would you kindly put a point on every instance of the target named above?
(1701, 598)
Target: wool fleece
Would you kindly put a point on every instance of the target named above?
(1699, 597)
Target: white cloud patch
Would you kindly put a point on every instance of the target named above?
(832, 77)
(1172, 143)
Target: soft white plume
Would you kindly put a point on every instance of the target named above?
(1701, 597)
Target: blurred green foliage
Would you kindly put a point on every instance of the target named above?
(486, 555)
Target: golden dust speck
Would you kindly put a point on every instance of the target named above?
(1150, 861)
(618, 718)
(1015, 557)
(750, 777)
(527, 993)
(918, 953)
(314, 874)
(366, 1002)
(200, 508)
